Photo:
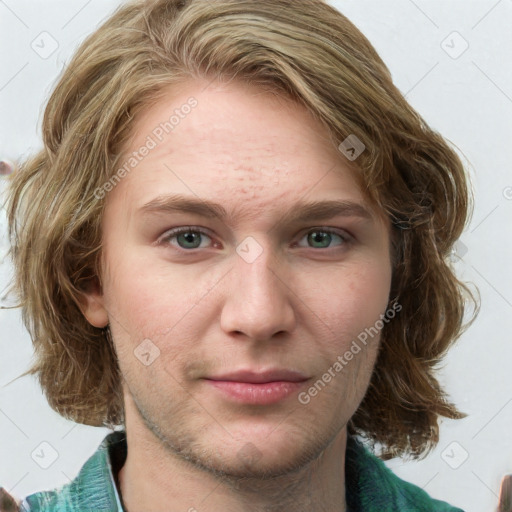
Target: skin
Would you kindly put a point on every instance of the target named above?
(298, 305)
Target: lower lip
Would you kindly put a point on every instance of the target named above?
(258, 394)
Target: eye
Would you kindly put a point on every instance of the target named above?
(190, 237)
(186, 238)
(321, 238)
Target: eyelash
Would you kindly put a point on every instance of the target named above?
(165, 240)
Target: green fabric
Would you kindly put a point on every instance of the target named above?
(93, 489)
(370, 485)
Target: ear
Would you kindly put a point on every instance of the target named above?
(92, 304)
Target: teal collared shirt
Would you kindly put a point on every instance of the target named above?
(370, 485)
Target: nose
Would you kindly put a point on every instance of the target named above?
(258, 304)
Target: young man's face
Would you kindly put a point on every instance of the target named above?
(261, 288)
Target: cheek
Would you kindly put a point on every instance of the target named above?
(138, 298)
(153, 301)
(352, 299)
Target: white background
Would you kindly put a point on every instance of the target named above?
(467, 96)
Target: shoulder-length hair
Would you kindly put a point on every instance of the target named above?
(306, 51)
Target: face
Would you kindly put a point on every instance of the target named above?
(214, 264)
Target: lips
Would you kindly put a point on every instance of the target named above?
(251, 387)
(255, 377)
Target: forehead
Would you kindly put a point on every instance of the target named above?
(235, 143)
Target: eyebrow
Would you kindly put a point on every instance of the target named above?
(300, 212)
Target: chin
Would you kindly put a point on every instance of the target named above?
(261, 458)
(259, 467)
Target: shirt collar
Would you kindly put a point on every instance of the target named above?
(94, 488)
(369, 485)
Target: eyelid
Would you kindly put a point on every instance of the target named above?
(327, 229)
(173, 232)
(347, 239)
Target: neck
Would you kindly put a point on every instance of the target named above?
(155, 478)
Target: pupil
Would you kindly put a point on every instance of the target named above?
(321, 237)
(190, 237)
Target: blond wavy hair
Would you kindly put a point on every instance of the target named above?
(306, 51)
